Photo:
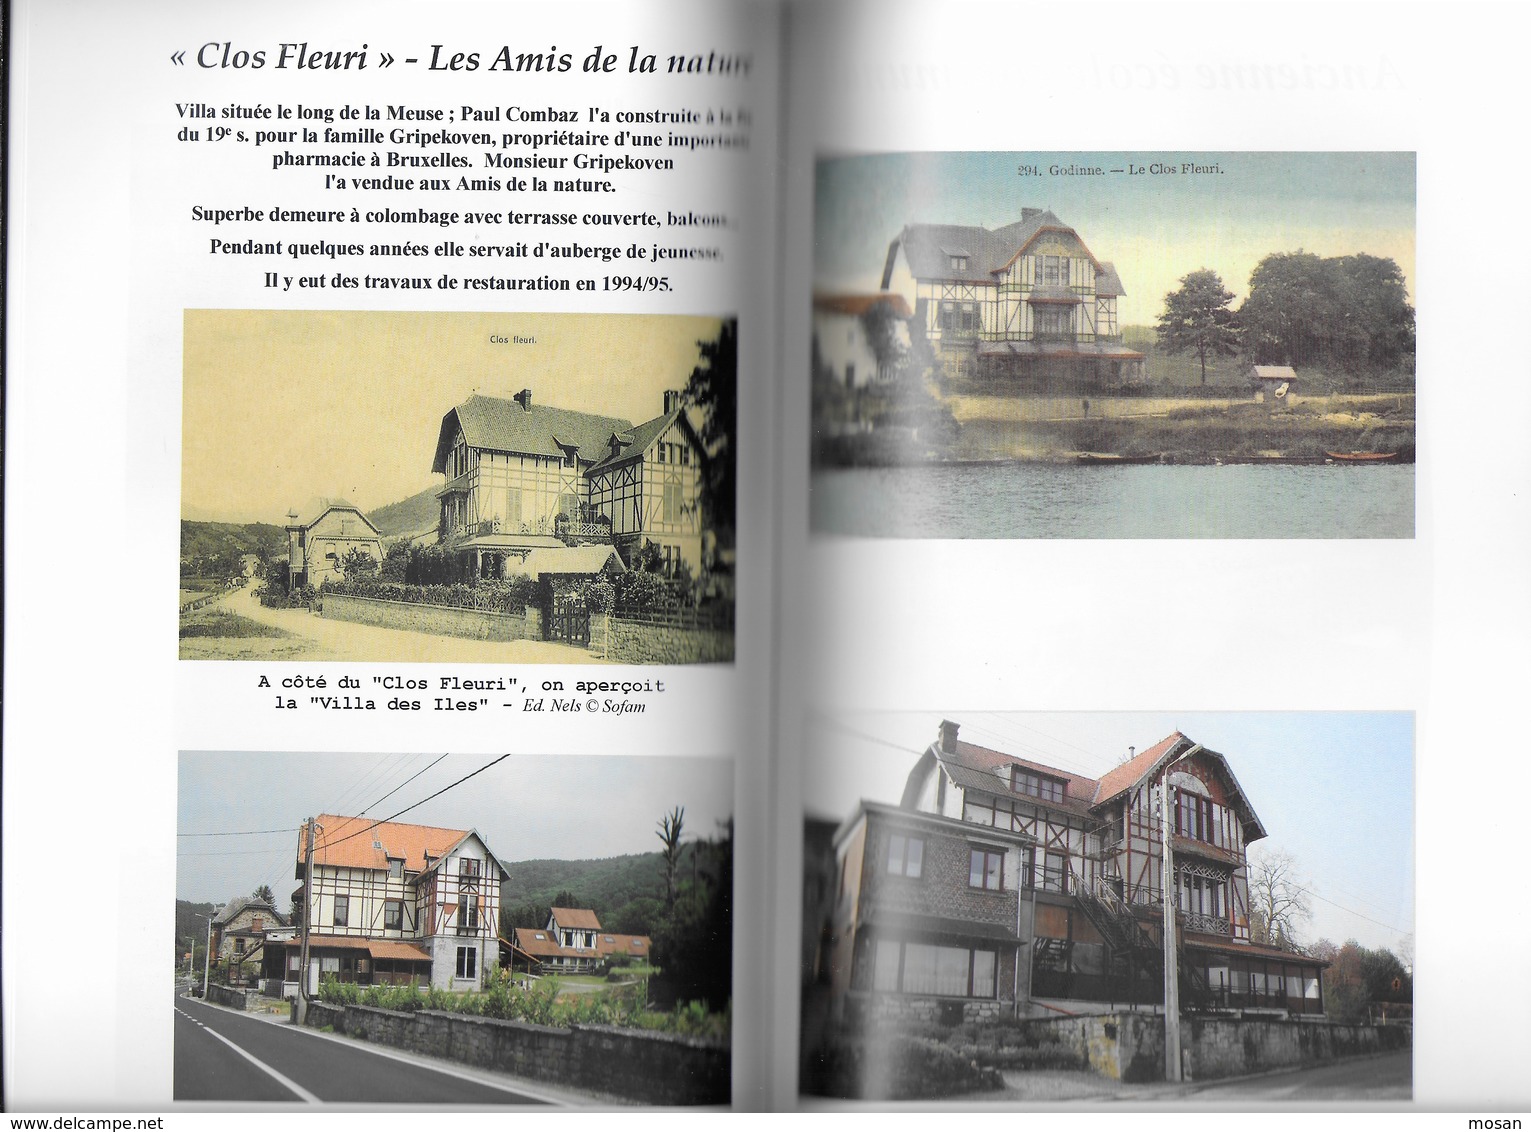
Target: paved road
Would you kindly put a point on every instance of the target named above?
(221, 1055)
(1389, 1077)
(321, 638)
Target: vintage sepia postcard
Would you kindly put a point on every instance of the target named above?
(490, 488)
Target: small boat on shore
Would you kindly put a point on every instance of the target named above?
(1362, 457)
(1114, 458)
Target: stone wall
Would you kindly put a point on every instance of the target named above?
(443, 620)
(226, 996)
(1130, 1046)
(649, 1068)
(636, 642)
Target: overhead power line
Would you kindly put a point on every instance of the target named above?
(415, 805)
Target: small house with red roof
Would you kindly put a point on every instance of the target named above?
(391, 902)
(1003, 885)
(573, 941)
(1028, 301)
(858, 339)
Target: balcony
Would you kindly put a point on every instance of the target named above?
(1206, 925)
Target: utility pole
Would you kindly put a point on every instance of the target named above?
(1167, 934)
(308, 878)
(207, 955)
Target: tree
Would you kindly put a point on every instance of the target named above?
(669, 836)
(1349, 311)
(357, 563)
(1198, 320)
(882, 326)
(1278, 902)
(714, 388)
(265, 894)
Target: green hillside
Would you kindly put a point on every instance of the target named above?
(417, 513)
(627, 893)
(215, 540)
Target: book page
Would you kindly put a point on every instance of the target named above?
(1149, 573)
(427, 350)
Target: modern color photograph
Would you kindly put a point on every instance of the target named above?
(453, 929)
(457, 487)
(1131, 907)
(1114, 345)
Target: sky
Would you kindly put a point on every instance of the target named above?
(1334, 790)
(281, 407)
(1156, 229)
(562, 807)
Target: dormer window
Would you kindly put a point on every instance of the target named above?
(1037, 785)
(959, 263)
(395, 867)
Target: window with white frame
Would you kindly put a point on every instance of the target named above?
(467, 962)
(986, 868)
(934, 969)
(906, 855)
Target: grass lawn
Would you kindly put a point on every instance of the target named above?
(213, 622)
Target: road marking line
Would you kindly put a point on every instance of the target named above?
(447, 1070)
(283, 1080)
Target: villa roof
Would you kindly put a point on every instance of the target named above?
(321, 505)
(581, 918)
(636, 440)
(972, 767)
(931, 248)
(237, 905)
(347, 842)
(501, 424)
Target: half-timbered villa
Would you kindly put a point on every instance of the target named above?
(1002, 883)
(523, 476)
(320, 537)
(573, 941)
(389, 902)
(1028, 301)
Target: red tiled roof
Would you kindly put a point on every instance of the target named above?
(377, 948)
(982, 763)
(1124, 777)
(860, 304)
(527, 940)
(582, 918)
(350, 843)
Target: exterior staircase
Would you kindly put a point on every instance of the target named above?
(1126, 940)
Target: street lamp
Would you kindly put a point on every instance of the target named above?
(1172, 1070)
(207, 955)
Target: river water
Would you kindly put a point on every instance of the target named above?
(1134, 501)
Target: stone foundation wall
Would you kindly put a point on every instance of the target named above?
(443, 620)
(660, 1069)
(1130, 1046)
(634, 642)
(226, 996)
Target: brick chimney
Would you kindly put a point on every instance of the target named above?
(948, 737)
(524, 399)
(671, 400)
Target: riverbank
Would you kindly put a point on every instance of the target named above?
(1168, 430)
